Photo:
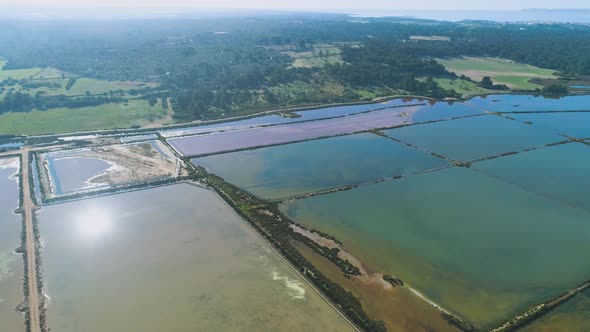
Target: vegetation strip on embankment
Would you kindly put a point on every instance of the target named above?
(274, 227)
(539, 310)
(35, 313)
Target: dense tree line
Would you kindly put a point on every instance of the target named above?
(214, 68)
(24, 102)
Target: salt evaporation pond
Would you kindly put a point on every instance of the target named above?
(11, 264)
(300, 168)
(572, 316)
(480, 247)
(571, 124)
(314, 114)
(560, 172)
(531, 103)
(172, 258)
(71, 174)
(280, 134)
(474, 138)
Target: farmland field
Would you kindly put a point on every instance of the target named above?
(463, 87)
(63, 120)
(17, 74)
(502, 71)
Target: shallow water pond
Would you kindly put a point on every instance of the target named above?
(11, 264)
(573, 316)
(474, 138)
(72, 174)
(479, 247)
(571, 124)
(173, 258)
(528, 103)
(299, 168)
(560, 172)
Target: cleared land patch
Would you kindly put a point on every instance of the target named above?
(431, 38)
(463, 87)
(502, 71)
(99, 168)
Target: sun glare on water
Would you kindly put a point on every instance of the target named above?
(94, 222)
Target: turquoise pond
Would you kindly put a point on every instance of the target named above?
(560, 172)
(300, 168)
(570, 124)
(474, 138)
(480, 247)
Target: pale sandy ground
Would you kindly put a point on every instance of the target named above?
(375, 278)
(129, 163)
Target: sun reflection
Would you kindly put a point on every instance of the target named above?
(94, 222)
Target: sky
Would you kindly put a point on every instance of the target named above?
(318, 4)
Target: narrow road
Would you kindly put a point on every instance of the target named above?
(28, 209)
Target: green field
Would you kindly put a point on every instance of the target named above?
(62, 120)
(318, 56)
(463, 87)
(17, 74)
(502, 71)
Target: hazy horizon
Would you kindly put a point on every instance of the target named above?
(311, 5)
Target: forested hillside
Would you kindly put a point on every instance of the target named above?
(217, 67)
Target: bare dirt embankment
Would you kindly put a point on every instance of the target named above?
(28, 208)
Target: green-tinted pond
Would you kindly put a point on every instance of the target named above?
(560, 172)
(573, 316)
(474, 138)
(294, 169)
(11, 264)
(479, 247)
(571, 124)
(174, 258)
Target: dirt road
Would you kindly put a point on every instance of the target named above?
(28, 208)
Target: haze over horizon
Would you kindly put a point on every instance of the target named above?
(335, 5)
